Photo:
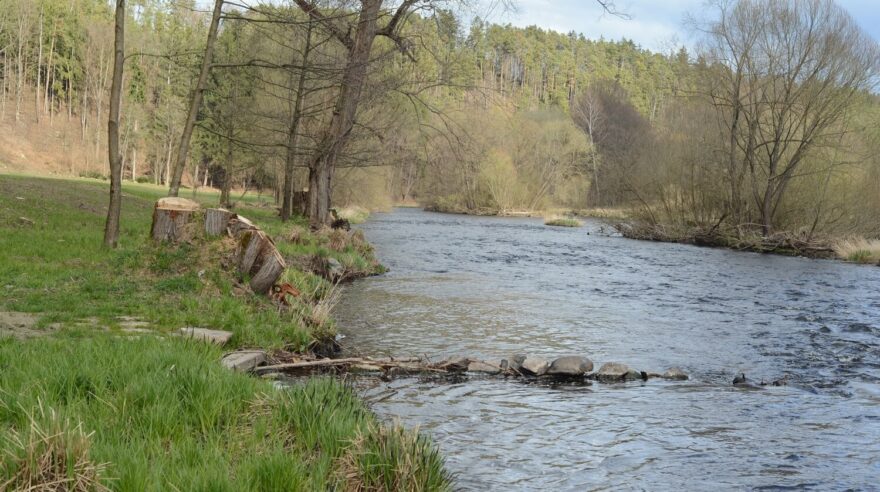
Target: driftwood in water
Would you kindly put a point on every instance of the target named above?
(171, 217)
(412, 364)
(259, 259)
(217, 221)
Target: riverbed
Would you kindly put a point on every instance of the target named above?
(490, 287)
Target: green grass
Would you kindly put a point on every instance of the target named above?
(163, 415)
(560, 221)
(57, 267)
(153, 412)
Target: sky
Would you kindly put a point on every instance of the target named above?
(654, 24)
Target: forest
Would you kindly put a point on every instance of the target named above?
(751, 132)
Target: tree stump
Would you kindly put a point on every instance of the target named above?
(259, 259)
(217, 221)
(239, 224)
(170, 218)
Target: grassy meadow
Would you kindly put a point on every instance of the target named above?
(87, 404)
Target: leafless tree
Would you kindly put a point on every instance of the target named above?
(195, 100)
(111, 227)
(786, 75)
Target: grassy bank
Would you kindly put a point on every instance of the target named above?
(146, 411)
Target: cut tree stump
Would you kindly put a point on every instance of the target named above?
(170, 218)
(217, 221)
(259, 259)
(239, 224)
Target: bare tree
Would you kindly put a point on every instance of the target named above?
(293, 129)
(786, 74)
(111, 227)
(195, 101)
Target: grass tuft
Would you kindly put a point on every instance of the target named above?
(562, 221)
(391, 459)
(859, 250)
(53, 454)
(354, 214)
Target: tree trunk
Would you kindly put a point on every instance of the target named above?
(227, 176)
(111, 228)
(19, 80)
(38, 86)
(196, 100)
(134, 154)
(336, 134)
(290, 162)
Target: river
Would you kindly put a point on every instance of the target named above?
(490, 287)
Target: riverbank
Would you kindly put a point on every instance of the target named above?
(94, 386)
(853, 250)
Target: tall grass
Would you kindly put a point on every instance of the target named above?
(152, 414)
(858, 250)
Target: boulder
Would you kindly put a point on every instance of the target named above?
(615, 371)
(535, 366)
(675, 373)
(570, 366)
(484, 367)
(514, 362)
(217, 337)
(335, 270)
(244, 360)
(456, 364)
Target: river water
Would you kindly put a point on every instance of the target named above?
(490, 287)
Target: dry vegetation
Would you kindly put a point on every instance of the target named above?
(859, 250)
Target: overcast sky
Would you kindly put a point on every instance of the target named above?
(653, 23)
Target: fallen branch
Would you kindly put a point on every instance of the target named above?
(404, 363)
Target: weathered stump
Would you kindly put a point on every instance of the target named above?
(170, 218)
(259, 259)
(239, 224)
(217, 221)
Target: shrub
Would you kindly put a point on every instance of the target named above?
(354, 214)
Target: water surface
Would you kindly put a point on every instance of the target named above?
(490, 287)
